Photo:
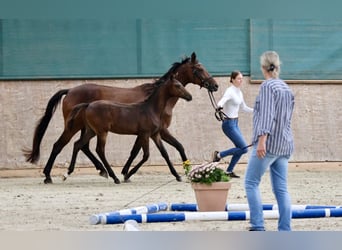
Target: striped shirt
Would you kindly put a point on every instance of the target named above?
(272, 115)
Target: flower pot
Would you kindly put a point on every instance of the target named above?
(211, 197)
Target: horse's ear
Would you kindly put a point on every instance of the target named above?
(193, 57)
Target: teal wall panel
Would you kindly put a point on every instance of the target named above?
(309, 49)
(73, 48)
(119, 48)
(222, 45)
(87, 48)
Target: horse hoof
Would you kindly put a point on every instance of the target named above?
(65, 177)
(48, 181)
(103, 174)
(179, 178)
(126, 179)
(117, 181)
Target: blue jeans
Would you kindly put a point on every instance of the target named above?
(232, 131)
(278, 172)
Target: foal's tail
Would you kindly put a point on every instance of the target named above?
(33, 154)
(75, 114)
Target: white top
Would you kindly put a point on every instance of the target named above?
(231, 102)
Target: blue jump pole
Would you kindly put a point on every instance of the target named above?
(216, 216)
(151, 208)
(243, 207)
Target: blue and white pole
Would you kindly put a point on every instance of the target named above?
(216, 216)
(151, 208)
(243, 207)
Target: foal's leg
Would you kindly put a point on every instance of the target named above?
(157, 140)
(86, 135)
(98, 165)
(144, 143)
(134, 152)
(100, 149)
(87, 152)
(166, 136)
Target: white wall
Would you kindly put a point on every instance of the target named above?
(317, 123)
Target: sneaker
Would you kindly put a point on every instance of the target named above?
(232, 175)
(256, 229)
(215, 157)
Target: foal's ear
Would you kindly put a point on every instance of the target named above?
(193, 57)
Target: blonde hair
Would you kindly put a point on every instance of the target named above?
(270, 62)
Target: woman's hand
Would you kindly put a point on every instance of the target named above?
(261, 147)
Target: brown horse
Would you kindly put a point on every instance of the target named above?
(189, 71)
(141, 119)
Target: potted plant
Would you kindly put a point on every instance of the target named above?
(211, 184)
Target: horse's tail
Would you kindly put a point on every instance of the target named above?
(75, 114)
(33, 154)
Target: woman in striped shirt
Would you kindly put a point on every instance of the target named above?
(273, 144)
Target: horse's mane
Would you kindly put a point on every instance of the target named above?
(150, 88)
(174, 68)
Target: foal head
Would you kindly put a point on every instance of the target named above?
(167, 88)
(176, 89)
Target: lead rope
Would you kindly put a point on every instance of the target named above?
(147, 193)
(219, 114)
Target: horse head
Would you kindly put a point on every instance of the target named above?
(190, 70)
(202, 76)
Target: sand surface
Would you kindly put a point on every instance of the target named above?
(29, 204)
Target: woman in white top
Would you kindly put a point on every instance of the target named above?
(230, 104)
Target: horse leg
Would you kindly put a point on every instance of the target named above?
(157, 140)
(166, 136)
(78, 145)
(100, 149)
(134, 152)
(98, 165)
(145, 146)
(57, 148)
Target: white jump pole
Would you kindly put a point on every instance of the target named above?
(151, 208)
(216, 216)
(243, 207)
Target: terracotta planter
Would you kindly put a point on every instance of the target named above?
(211, 197)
